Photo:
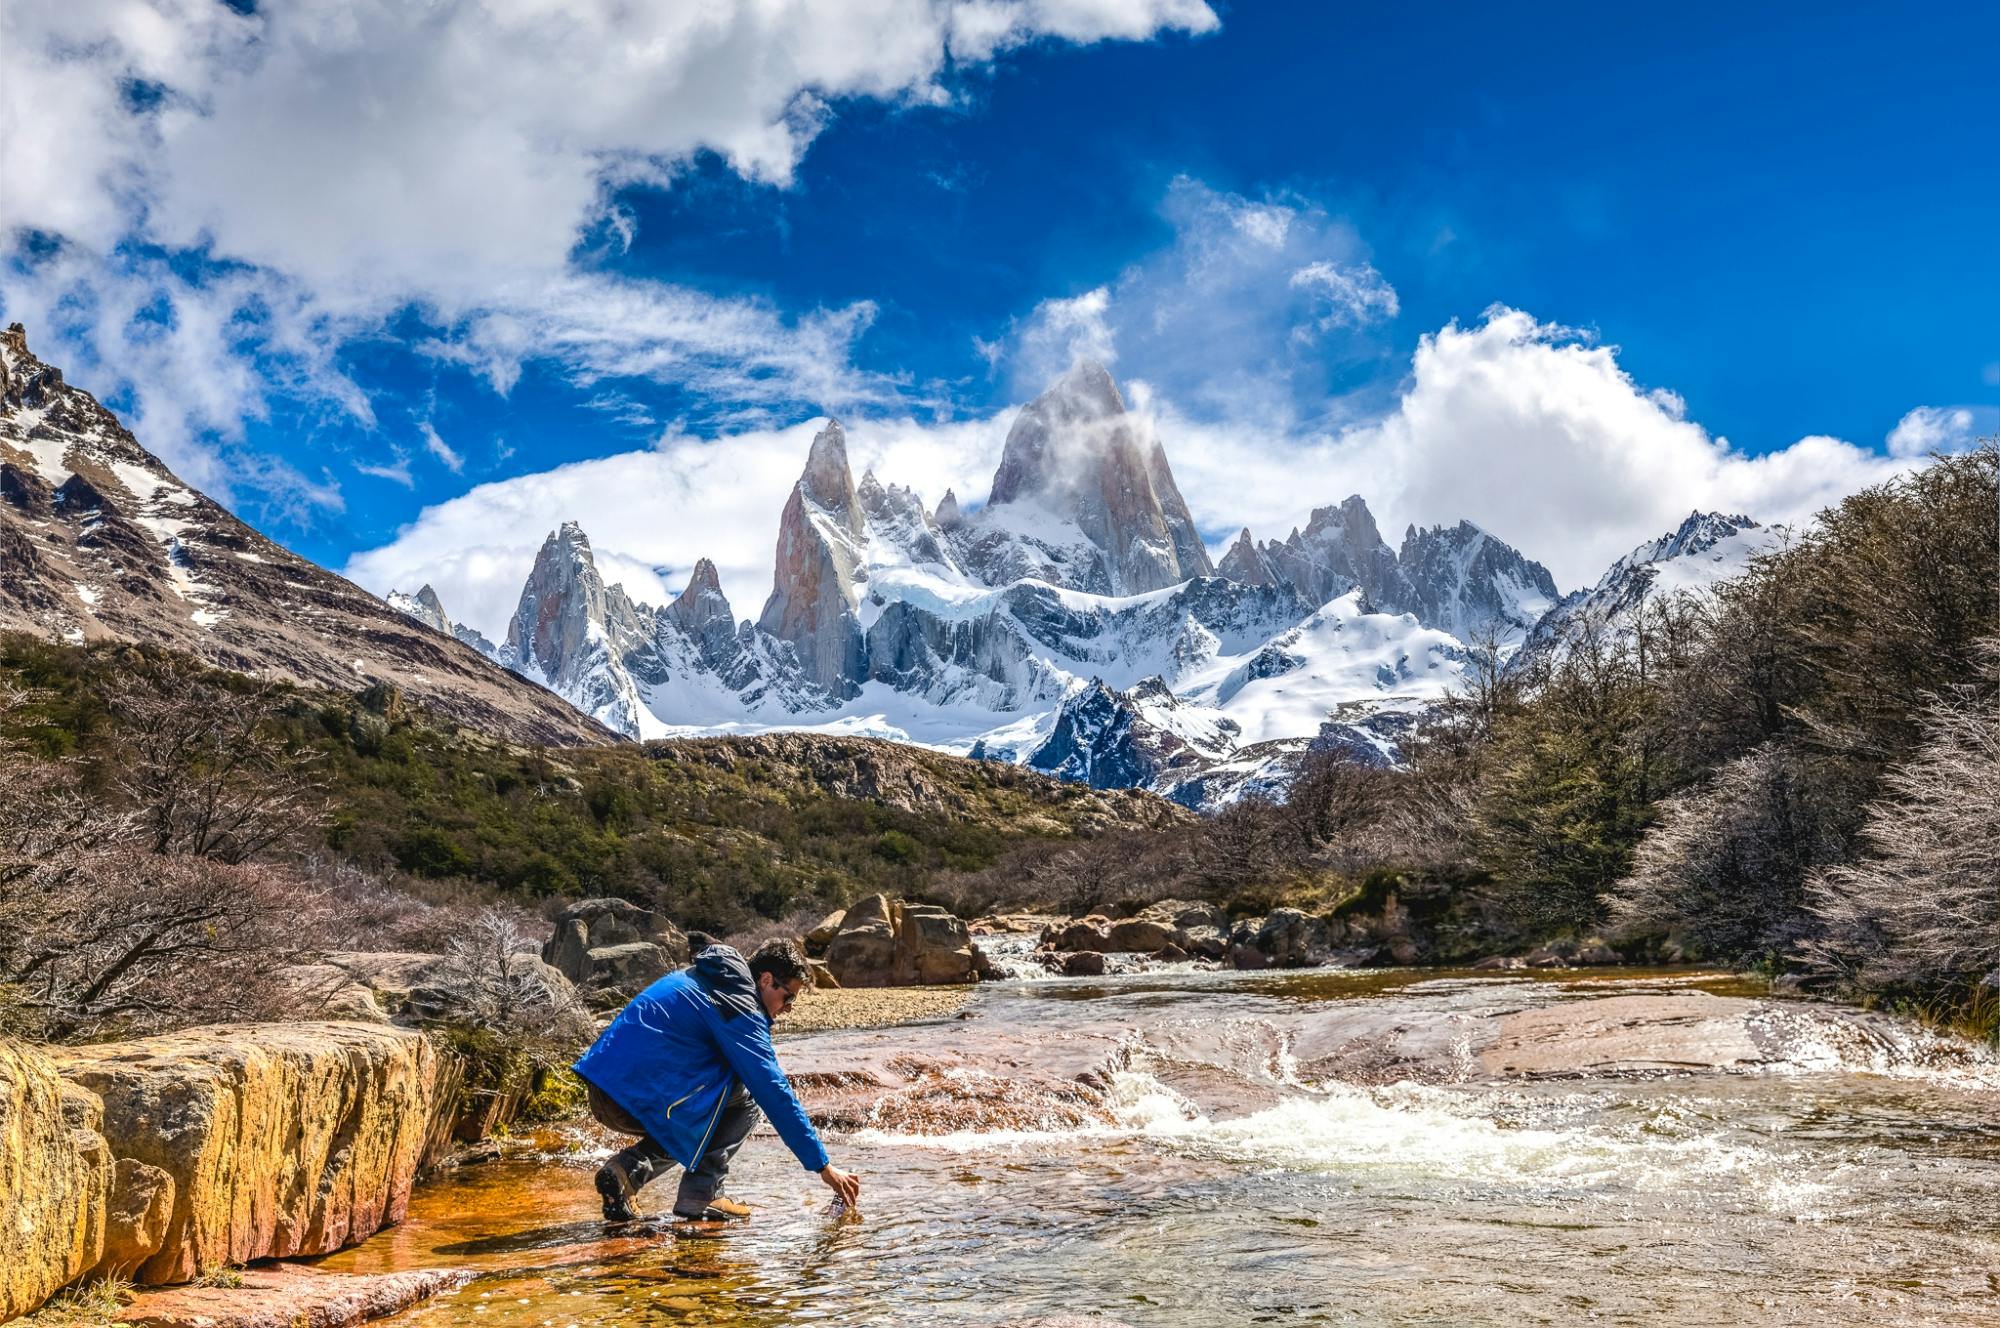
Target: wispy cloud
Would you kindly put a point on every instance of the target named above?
(446, 455)
(1250, 311)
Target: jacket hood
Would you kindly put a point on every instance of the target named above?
(725, 976)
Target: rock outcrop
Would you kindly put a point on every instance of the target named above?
(291, 1296)
(612, 948)
(266, 1140)
(1083, 499)
(815, 587)
(893, 943)
(55, 1177)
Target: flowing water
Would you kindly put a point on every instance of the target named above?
(1312, 1148)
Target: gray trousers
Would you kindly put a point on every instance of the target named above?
(646, 1160)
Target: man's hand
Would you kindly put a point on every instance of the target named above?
(848, 1187)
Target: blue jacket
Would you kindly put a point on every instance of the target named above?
(673, 1056)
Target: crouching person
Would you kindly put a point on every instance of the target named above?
(687, 1066)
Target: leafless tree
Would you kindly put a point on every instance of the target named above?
(206, 774)
(98, 934)
(492, 980)
(1723, 866)
(1922, 910)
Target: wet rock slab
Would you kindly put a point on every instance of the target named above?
(1690, 1030)
(290, 1296)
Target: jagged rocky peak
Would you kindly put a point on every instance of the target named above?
(1339, 549)
(1245, 563)
(815, 586)
(1466, 581)
(947, 516)
(701, 603)
(563, 601)
(424, 606)
(1122, 526)
(827, 482)
(1701, 532)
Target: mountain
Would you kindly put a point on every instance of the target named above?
(1705, 550)
(1072, 622)
(1464, 581)
(99, 540)
(1083, 499)
(1458, 579)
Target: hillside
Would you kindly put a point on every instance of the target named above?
(99, 541)
(715, 832)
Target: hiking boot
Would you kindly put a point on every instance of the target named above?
(720, 1209)
(615, 1187)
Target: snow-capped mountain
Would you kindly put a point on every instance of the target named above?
(100, 541)
(1072, 622)
(1707, 549)
(1458, 578)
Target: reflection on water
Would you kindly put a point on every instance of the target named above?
(1254, 1156)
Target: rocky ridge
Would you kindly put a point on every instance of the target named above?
(101, 541)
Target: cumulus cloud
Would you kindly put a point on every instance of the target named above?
(651, 514)
(360, 157)
(1254, 308)
(1530, 430)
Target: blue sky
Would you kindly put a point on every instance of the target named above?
(324, 288)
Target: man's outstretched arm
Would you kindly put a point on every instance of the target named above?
(747, 1045)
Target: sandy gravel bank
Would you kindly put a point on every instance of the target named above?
(873, 1007)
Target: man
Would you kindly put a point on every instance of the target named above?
(686, 1066)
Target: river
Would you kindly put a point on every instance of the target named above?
(1321, 1147)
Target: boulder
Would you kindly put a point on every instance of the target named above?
(1170, 954)
(822, 976)
(1083, 964)
(1185, 913)
(863, 952)
(1546, 957)
(822, 936)
(1205, 942)
(1498, 963)
(1087, 933)
(1291, 939)
(1597, 954)
(55, 1176)
(890, 943)
(1140, 935)
(1244, 955)
(135, 1220)
(278, 1140)
(934, 946)
(593, 946)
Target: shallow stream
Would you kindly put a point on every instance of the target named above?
(1310, 1148)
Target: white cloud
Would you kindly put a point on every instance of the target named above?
(1251, 311)
(662, 509)
(1530, 431)
(352, 158)
(446, 455)
(1929, 429)
(396, 472)
(1354, 295)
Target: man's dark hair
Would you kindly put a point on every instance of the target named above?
(782, 960)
